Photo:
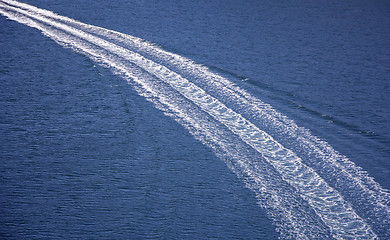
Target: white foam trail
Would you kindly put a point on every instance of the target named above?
(327, 202)
(146, 89)
(362, 190)
(330, 160)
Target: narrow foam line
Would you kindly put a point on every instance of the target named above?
(344, 223)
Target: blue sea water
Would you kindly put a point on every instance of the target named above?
(83, 155)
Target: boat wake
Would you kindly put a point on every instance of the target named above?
(308, 189)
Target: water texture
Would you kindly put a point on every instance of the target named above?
(306, 188)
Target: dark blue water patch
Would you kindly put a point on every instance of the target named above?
(83, 156)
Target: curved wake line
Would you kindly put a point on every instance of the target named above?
(372, 200)
(321, 149)
(325, 200)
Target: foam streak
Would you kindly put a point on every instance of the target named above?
(106, 47)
